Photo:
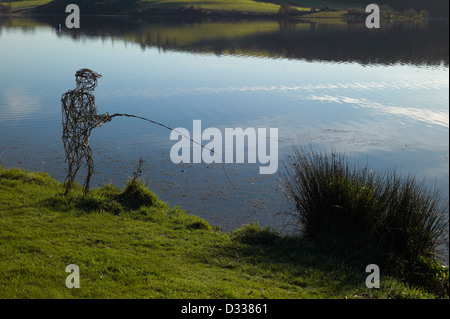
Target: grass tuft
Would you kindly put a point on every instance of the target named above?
(137, 195)
(254, 234)
(39, 178)
(200, 224)
(357, 213)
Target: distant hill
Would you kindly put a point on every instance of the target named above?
(89, 6)
(436, 8)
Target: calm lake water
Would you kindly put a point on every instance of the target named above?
(381, 96)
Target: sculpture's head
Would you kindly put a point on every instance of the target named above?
(86, 79)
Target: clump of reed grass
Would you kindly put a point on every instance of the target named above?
(136, 195)
(376, 217)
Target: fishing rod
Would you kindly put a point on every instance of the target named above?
(108, 118)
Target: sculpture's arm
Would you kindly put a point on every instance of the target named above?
(102, 118)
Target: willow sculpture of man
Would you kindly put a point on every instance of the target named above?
(79, 117)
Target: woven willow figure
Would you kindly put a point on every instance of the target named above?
(79, 117)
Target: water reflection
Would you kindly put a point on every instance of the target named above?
(18, 104)
(418, 42)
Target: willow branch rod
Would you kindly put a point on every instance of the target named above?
(172, 129)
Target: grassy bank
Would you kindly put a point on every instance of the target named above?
(129, 244)
(18, 6)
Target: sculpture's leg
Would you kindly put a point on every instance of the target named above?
(70, 173)
(90, 168)
(73, 169)
(69, 180)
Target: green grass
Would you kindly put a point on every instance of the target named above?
(129, 244)
(319, 3)
(270, 6)
(25, 4)
(228, 5)
(329, 15)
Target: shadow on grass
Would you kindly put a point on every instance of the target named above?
(262, 252)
